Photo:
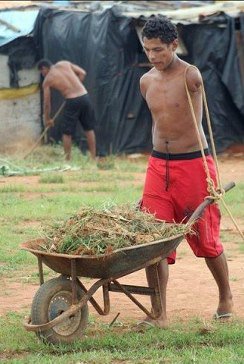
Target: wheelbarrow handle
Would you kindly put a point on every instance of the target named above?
(208, 201)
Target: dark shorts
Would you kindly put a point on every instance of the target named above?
(175, 185)
(78, 108)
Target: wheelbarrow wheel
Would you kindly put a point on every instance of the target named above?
(52, 299)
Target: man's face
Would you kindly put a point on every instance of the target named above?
(159, 54)
(44, 71)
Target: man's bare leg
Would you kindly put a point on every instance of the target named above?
(67, 144)
(163, 275)
(219, 269)
(91, 141)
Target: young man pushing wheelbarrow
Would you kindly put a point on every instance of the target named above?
(176, 180)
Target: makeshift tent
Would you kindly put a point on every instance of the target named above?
(212, 47)
(20, 109)
(107, 45)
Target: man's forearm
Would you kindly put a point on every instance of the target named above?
(82, 75)
(46, 111)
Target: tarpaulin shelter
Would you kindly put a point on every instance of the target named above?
(107, 45)
(20, 108)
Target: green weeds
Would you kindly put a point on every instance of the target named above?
(60, 191)
(186, 343)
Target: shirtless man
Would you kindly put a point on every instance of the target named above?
(175, 181)
(68, 79)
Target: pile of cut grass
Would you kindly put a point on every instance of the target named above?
(101, 231)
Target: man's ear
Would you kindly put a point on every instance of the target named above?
(175, 44)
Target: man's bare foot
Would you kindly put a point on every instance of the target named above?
(160, 322)
(222, 316)
(225, 306)
(224, 310)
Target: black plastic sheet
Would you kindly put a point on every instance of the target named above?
(106, 45)
(212, 48)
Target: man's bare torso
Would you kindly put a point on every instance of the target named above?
(63, 78)
(173, 126)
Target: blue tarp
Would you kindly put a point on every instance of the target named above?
(22, 20)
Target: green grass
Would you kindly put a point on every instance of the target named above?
(25, 208)
(12, 188)
(51, 178)
(56, 197)
(234, 201)
(191, 342)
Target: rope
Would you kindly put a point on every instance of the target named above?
(211, 187)
(218, 192)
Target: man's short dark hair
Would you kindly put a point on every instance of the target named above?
(44, 63)
(160, 27)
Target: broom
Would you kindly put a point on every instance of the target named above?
(44, 132)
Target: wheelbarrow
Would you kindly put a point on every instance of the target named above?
(59, 312)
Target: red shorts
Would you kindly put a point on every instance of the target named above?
(175, 185)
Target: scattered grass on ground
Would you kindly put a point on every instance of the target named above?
(61, 191)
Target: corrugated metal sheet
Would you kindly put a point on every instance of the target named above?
(192, 14)
(15, 4)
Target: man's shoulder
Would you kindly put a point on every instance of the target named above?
(146, 76)
(62, 63)
(49, 78)
(188, 67)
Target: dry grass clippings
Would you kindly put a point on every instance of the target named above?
(100, 231)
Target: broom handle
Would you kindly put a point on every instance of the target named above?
(44, 131)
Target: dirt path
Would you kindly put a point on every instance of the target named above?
(191, 290)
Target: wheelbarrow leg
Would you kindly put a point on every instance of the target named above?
(126, 289)
(106, 299)
(154, 281)
(40, 268)
(74, 281)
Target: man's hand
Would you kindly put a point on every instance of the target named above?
(80, 72)
(49, 123)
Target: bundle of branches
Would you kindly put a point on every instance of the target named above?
(101, 231)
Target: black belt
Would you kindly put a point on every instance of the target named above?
(179, 156)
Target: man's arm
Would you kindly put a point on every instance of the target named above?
(143, 86)
(47, 103)
(193, 79)
(80, 72)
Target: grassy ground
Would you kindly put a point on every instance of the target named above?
(191, 342)
(58, 191)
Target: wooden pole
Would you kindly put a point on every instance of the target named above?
(44, 132)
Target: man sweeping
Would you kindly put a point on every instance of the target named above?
(67, 78)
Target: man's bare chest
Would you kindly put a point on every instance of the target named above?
(160, 97)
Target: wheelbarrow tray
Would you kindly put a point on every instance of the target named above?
(118, 263)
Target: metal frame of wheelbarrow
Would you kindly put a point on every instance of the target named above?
(109, 268)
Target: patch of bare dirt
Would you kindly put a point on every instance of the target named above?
(191, 290)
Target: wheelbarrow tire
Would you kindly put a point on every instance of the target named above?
(52, 299)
